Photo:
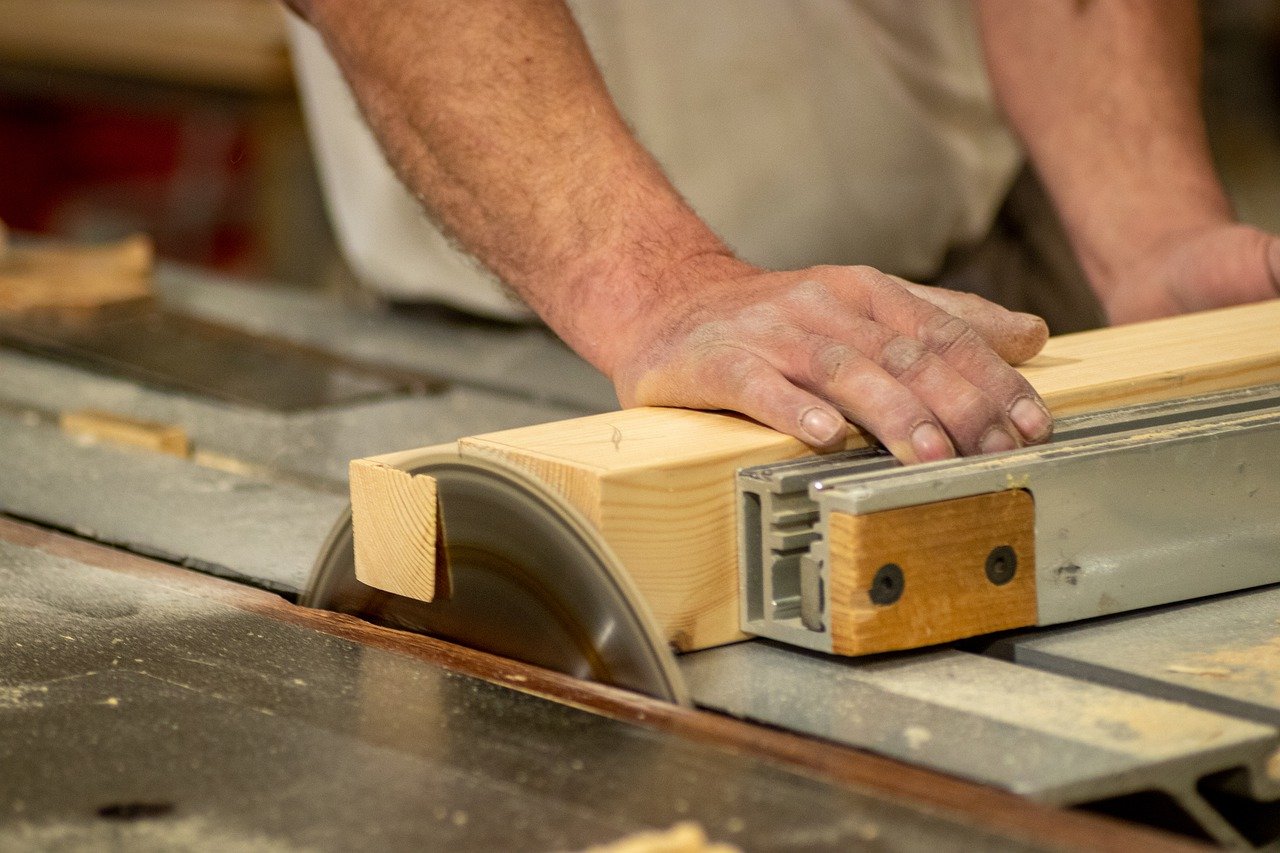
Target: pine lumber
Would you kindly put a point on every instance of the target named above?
(397, 525)
(1219, 350)
(659, 483)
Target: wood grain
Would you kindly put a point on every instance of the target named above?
(109, 428)
(659, 485)
(1164, 359)
(394, 519)
(941, 550)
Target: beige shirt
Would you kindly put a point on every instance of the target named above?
(803, 132)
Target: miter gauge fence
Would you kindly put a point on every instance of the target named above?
(1137, 506)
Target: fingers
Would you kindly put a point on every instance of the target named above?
(728, 377)
(746, 383)
(1016, 337)
(873, 399)
(915, 403)
(807, 356)
(985, 404)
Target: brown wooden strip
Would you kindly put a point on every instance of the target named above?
(927, 574)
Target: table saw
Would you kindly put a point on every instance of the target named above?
(162, 689)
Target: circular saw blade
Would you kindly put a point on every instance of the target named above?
(528, 579)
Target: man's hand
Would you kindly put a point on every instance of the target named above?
(494, 114)
(925, 370)
(1212, 267)
(1106, 96)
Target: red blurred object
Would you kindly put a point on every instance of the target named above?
(85, 170)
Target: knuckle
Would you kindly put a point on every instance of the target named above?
(879, 281)
(756, 320)
(904, 359)
(808, 295)
(828, 363)
(972, 405)
(970, 414)
(729, 368)
(944, 333)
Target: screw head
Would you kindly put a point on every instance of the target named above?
(1002, 565)
(887, 585)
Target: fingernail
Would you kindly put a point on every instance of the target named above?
(1032, 418)
(930, 444)
(821, 425)
(996, 441)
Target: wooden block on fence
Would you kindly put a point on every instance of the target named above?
(395, 524)
(109, 428)
(932, 573)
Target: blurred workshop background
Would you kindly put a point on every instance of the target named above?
(179, 118)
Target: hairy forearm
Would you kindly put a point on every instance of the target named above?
(1105, 95)
(495, 116)
(494, 113)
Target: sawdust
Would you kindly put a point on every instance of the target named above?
(1255, 667)
(916, 736)
(1272, 767)
(1152, 728)
(1206, 671)
(686, 837)
(16, 698)
(141, 836)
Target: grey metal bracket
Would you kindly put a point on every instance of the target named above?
(1055, 738)
(1134, 507)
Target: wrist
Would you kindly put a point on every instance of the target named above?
(607, 304)
(1122, 250)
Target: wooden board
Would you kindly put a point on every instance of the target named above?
(1159, 360)
(659, 483)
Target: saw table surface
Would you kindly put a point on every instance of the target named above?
(227, 725)
(144, 710)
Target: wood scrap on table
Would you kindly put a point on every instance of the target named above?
(74, 277)
(238, 44)
(108, 428)
(685, 837)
